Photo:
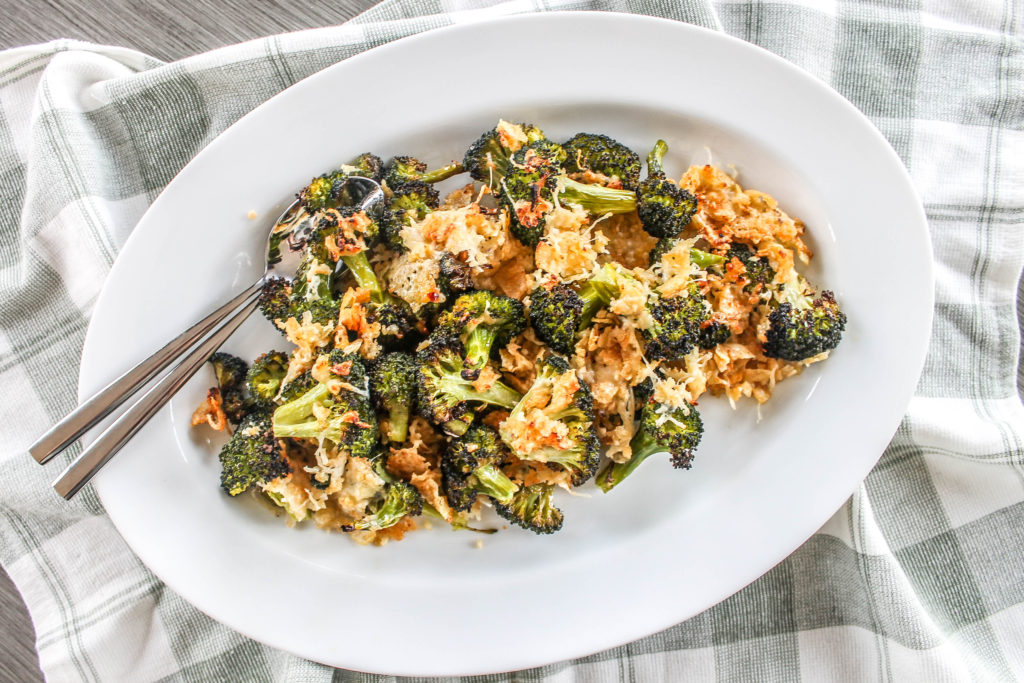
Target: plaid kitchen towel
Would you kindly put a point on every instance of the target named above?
(920, 576)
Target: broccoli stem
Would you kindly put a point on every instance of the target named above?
(364, 275)
(478, 346)
(596, 294)
(705, 260)
(654, 166)
(642, 446)
(492, 482)
(443, 173)
(498, 394)
(596, 199)
(398, 422)
(294, 418)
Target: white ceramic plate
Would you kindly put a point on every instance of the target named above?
(659, 549)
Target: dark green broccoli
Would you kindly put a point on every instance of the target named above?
(296, 387)
(487, 159)
(702, 259)
(539, 154)
(805, 324)
(446, 397)
(483, 321)
(265, 377)
(395, 500)
(404, 169)
(230, 372)
(528, 195)
(275, 298)
(453, 276)
(393, 391)
(311, 292)
(712, 333)
(662, 429)
(575, 448)
(252, 456)
(559, 314)
(471, 467)
(602, 155)
(350, 369)
(408, 202)
(329, 192)
(758, 270)
(346, 235)
(664, 208)
(345, 419)
(678, 321)
(531, 508)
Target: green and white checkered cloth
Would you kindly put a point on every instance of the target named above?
(920, 576)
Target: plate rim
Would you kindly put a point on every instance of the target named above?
(406, 43)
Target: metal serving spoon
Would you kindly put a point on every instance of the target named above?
(285, 244)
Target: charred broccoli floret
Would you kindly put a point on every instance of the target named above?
(408, 202)
(664, 208)
(805, 324)
(446, 397)
(252, 456)
(565, 404)
(311, 292)
(678, 321)
(530, 194)
(405, 169)
(540, 154)
(758, 270)
(487, 159)
(483, 321)
(230, 372)
(453, 276)
(559, 314)
(345, 419)
(329, 192)
(591, 152)
(531, 508)
(346, 235)
(702, 259)
(471, 467)
(275, 299)
(712, 333)
(393, 391)
(296, 387)
(395, 500)
(662, 429)
(265, 377)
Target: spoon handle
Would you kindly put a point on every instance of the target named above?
(94, 409)
(96, 455)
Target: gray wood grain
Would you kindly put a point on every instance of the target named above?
(168, 30)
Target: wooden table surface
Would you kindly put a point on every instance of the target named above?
(168, 30)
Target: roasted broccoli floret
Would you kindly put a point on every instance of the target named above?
(395, 500)
(567, 408)
(487, 159)
(483, 321)
(328, 191)
(664, 208)
(275, 298)
(530, 194)
(230, 372)
(678, 321)
(265, 377)
(408, 202)
(453, 276)
(405, 169)
(296, 387)
(531, 508)
(393, 391)
(539, 154)
(662, 429)
(712, 333)
(345, 419)
(559, 314)
(311, 292)
(805, 324)
(252, 456)
(702, 259)
(446, 397)
(758, 270)
(594, 153)
(471, 467)
(346, 235)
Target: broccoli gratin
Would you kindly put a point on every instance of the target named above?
(552, 322)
